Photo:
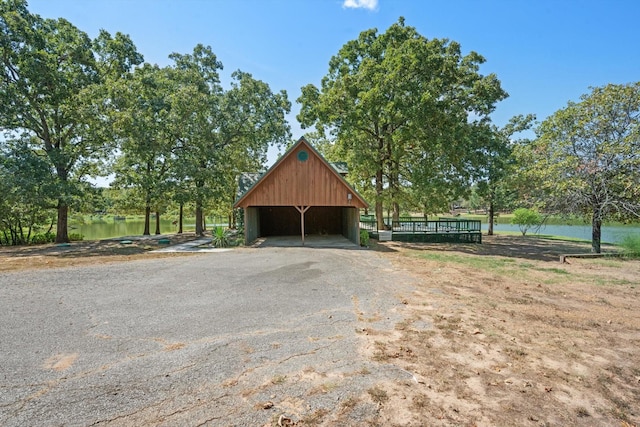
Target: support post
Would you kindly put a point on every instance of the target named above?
(302, 210)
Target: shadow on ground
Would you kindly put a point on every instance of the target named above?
(129, 245)
(525, 247)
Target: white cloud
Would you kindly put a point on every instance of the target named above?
(361, 4)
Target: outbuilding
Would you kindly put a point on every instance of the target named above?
(301, 194)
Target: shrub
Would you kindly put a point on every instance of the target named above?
(525, 219)
(78, 219)
(631, 245)
(364, 238)
(75, 237)
(219, 238)
(42, 238)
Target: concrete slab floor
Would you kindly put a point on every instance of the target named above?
(310, 241)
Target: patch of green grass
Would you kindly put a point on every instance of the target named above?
(631, 245)
(603, 282)
(609, 262)
(552, 270)
(562, 238)
(508, 233)
(488, 263)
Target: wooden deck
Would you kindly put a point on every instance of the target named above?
(412, 229)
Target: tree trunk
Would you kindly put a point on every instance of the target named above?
(180, 218)
(396, 212)
(157, 222)
(14, 236)
(199, 230)
(62, 235)
(199, 202)
(596, 232)
(491, 213)
(379, 191)
(21, 231)
(147, 214)
(394, 190)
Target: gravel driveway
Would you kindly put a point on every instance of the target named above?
(244, 338)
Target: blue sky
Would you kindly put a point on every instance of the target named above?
(545, 52)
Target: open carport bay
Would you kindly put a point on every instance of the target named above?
(234, 338)
(285, 220)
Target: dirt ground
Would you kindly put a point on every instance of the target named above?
(500, 333)
(503, 334)
(85, 252)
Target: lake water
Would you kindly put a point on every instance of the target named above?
(130, 227)
(134, 227)
(610, 233)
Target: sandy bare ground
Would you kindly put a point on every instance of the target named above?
(493, 334)
(503, 334)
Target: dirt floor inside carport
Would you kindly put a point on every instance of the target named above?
(493, 334)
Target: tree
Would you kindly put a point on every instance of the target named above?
(497, 165)
(145, 138)
(586, 158)
(25, 184)
(195, 117)
(220, 133)
(53, 76)
(525, 219)
(253, 118)
(407, 108)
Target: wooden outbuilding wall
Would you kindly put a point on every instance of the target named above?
(301, 194)
(296, 182)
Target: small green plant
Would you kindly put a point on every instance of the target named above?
(364, 238)
(525, 219)
(220, 238)
(631, 246)
(75, 237)
(42, 238)
(77, 219)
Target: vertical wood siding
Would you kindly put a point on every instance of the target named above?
(301, 183)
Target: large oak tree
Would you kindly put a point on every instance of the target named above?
(220, 133)
(407, 110)
(586, 159)
(53, 88)
(142, 120)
